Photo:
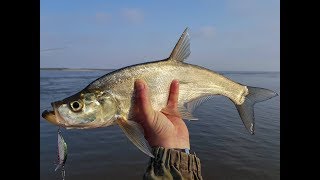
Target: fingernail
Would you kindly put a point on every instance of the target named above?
(139, 85)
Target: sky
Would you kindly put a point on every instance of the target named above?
(225, 35)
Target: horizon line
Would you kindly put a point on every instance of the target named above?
(103, 69)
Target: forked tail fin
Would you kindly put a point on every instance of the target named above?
(246, 108)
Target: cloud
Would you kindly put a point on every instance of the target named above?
(102, 17)
(205, 32)
(133, 15)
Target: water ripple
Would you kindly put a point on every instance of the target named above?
(226, 149)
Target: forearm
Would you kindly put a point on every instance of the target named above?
(173, 164)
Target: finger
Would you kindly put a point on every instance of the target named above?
(142, 100)
(173, 95)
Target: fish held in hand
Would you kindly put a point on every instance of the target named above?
(108, 100)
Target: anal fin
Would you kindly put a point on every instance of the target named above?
(187, 115)
(189, 107)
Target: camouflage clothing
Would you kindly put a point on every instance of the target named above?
(173, 164)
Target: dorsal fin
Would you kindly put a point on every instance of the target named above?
(182, 49)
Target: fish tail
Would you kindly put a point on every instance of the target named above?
(246, 110)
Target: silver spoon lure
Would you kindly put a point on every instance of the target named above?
(62, 154)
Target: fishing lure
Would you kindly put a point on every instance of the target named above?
(62, 153)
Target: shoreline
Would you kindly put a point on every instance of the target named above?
(73, 69)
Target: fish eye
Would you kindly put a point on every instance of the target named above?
(75, 106)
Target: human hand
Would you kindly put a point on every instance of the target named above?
(165, 128)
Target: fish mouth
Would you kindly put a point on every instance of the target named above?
(53, 116)
(50, 116)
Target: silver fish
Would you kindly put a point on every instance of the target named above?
(107, 100)
(62, 152)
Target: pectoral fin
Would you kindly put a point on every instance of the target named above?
(135, 133)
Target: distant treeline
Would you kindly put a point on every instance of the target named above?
(95, 69)
(75, 69)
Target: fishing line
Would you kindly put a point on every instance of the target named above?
(63, 173)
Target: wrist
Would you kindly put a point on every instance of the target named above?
(171, 144)
(168, 142)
